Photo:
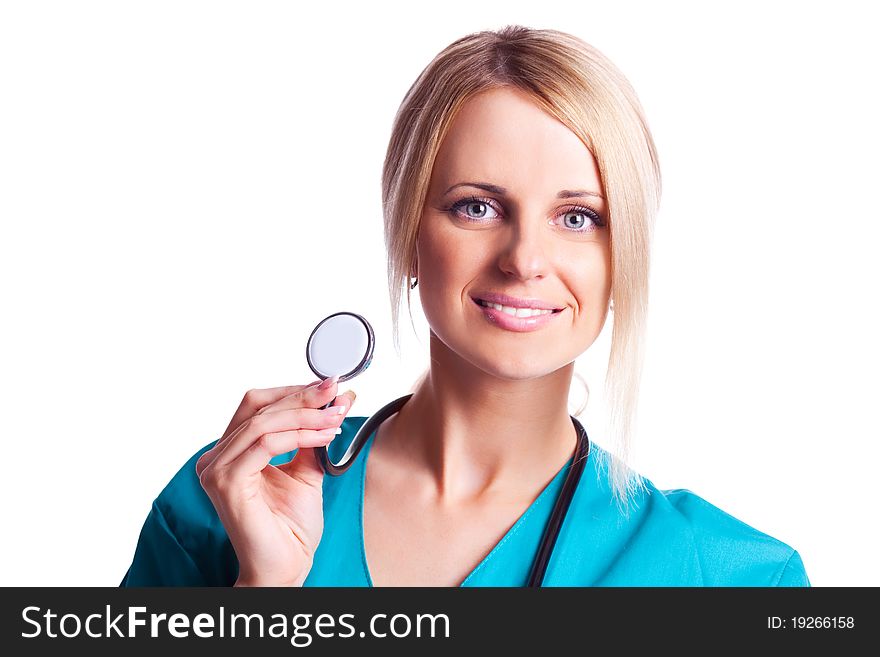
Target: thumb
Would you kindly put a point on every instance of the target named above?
(350, 395)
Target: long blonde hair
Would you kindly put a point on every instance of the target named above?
(580, 87)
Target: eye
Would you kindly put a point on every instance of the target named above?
(473, 208)
(590, 220)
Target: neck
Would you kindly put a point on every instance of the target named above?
(476, 435)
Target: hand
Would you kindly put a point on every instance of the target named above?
(273, 514)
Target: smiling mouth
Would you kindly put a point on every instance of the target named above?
(512, 311)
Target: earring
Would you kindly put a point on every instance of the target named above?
(413, 286)
(583, 405)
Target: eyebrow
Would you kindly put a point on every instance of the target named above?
(501, 191)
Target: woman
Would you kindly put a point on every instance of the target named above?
(520, 175)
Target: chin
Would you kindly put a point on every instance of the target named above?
(522, 368)
(518, 361)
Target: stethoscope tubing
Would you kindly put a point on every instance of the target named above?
(560, 509)
(360, 439)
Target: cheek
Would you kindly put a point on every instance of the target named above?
(446, 257)
(588, 274)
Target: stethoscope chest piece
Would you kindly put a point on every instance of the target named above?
(340, 345)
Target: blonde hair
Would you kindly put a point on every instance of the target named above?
(580, 87)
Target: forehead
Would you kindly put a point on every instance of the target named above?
(502, 136)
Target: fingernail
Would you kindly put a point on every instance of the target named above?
(331, 431)
(334, 410)
(326, 383)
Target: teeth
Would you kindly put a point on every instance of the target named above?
(516, 312)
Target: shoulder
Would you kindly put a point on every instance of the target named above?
(182, 542)
(676, 537)
(183, 502)
(192, 521)
(731, 552)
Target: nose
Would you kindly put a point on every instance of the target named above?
(524, 255)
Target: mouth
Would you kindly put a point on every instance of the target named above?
(515, 311)
(517, 320)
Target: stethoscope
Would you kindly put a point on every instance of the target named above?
(342, 344)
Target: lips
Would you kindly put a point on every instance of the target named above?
(508, 322)
(514, 302)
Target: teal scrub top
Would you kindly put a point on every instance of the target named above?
(672, 538)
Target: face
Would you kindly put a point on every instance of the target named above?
(515, 208)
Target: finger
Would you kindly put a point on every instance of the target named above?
(305, 465)
(301, 398)
(257, 398)
(286, 420)
(295, 401)
(312, 396)
(311, 468)
(261, 452)
(348, 398)
(254, 401)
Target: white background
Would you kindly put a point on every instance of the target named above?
(187, 188)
